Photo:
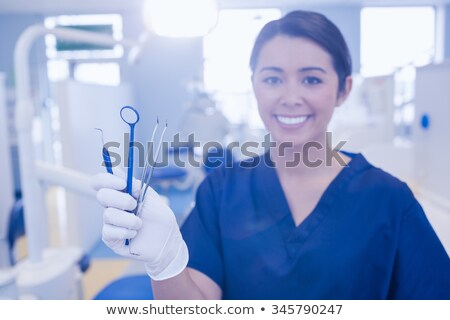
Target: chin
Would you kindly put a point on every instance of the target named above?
(299, 140)
(290, 142)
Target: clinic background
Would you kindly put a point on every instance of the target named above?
(396, 116)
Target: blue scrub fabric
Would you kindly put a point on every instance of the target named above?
(367, 238)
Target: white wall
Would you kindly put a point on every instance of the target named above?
(432, 147)
(432, 97)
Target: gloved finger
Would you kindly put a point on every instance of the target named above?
(114, 233)
(116, 199)
(155, 209)
(119, 172)
(122, 219)
(107, 180)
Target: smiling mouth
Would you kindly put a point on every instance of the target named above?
(292, 120)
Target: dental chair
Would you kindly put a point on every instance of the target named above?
(132, 287)
(16, 229)
(170, 173)
(180, 176)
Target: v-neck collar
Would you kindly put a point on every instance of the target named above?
(274, 202)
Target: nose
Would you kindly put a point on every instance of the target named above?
(292, 94)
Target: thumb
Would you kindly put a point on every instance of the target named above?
(106, 180)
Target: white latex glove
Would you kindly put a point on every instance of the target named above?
(154, 236)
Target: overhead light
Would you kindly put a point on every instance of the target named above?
(180, 18)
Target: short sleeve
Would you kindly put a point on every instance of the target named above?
(201, 230)
(422, 266)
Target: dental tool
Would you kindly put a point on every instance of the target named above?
(130, 116)
(105, 153)
(146, 176)
(147, 161)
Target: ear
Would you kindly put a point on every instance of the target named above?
(342, 95)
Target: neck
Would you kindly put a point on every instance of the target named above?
(311, 159)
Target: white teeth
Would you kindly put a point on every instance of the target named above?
(292, 120)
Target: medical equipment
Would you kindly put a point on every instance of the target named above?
(146, 176)
(105, 154)
(147, 161)
(156, 237)
(130, 116)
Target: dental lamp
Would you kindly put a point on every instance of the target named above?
(180, 18)
(175, 19)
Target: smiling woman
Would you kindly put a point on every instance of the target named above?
(273, 228)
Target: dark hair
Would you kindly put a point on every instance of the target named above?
(313, 26)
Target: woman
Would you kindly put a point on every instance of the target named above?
(282, 226)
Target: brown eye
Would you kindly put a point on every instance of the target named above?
(272, 80)
(312, 80)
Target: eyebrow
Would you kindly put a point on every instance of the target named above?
(305, 69)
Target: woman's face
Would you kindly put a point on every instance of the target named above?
(296, 87)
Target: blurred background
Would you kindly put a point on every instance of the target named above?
(67, 67)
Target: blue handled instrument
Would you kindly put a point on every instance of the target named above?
(130, 116)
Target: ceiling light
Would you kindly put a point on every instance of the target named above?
(180, 18)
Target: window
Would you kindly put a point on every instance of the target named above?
(106, 73)
(392, 37)
(84, 62)
(226, 52)
(395, 41)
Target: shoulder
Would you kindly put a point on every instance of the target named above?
(378, 184)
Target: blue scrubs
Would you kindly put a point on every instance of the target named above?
(367, 238)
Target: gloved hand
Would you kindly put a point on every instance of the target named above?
(154, 236)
